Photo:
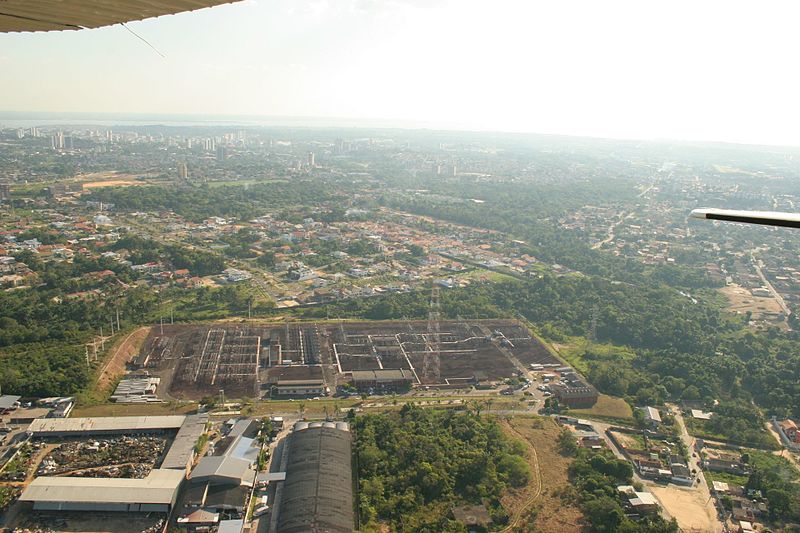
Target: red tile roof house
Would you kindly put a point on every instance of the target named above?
(790, 429)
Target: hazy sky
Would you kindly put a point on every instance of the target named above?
(715, 70)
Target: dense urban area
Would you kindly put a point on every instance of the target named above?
(227, 329)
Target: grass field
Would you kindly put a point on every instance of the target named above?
(579, 352)
(554, 510)
(731, 479)
(607, 406)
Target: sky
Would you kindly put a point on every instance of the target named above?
(672, 69)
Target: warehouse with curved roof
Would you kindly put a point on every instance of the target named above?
(317, 495)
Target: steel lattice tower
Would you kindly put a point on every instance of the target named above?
(430, 365)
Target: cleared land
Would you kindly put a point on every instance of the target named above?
(688, 507)
(742, 301)
(607, 406)
(245, 359)
(541, 496)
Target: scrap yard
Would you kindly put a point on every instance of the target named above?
(251, 360)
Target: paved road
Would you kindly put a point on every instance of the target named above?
(758, 265)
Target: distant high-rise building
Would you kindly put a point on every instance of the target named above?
(208, 145)
(5, 191)
(34, 131)
(311, 159)
(222, 153)
(20, 133)
(109, 135)
(57, 141)
(183, 171)
(338, 146)
(68, 142)
(453, 170)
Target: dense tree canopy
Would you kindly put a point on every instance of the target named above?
(416, 464)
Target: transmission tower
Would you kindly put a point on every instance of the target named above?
(430, 364)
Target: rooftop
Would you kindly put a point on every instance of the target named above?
(159, 487)
(7, 401)
(110, 423)
(651, 413)
(318, 492)
(182, 448)
(382, 375)
(221, 467)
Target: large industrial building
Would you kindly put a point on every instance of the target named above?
(155, 493)
(317, 495)
(111, 425)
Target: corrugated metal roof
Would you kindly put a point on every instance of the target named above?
(230, 526)
(159, 487)
(106, 423)
(318, 491)
(51, 15)
(7, 401)
(221, 470)
(182, 449)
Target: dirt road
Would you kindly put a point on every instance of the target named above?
(126, 350)
(536, 481)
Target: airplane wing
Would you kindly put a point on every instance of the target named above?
(765, 218)
(52, 15)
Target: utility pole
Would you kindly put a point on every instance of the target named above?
(117, 318)
(87, 356)
(162, 325)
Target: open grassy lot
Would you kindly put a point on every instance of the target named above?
(731, 479)
(607, 406)
(579, 352)
(543, 504)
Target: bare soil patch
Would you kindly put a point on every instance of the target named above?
(688, 507)
(121, 354)
(742, 301)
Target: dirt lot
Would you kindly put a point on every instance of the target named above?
(688, 507)
(94, 180)
(742, 301)
(553, 512)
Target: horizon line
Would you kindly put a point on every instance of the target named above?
(362, 123)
